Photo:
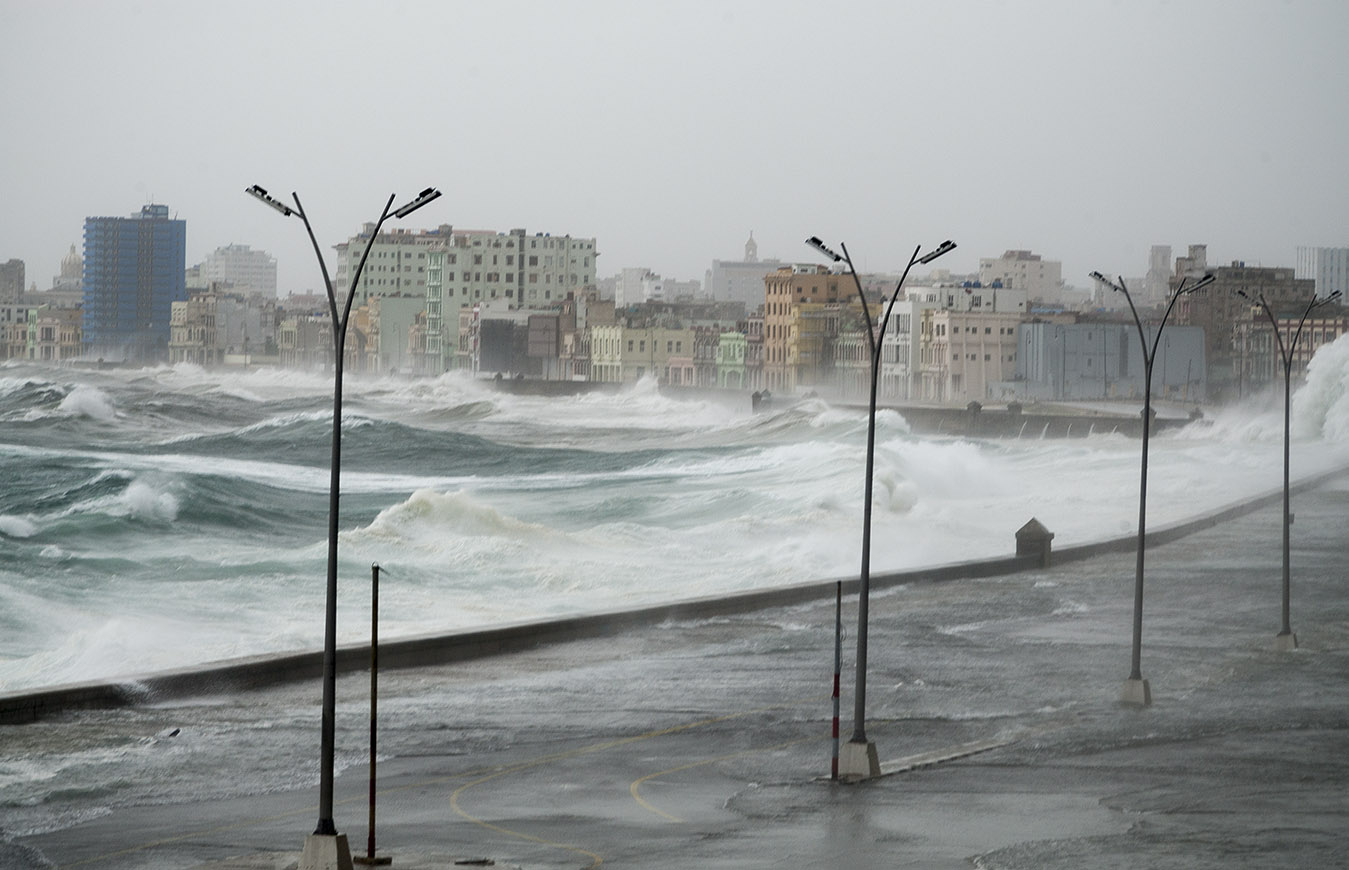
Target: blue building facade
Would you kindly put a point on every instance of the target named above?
(133, 273)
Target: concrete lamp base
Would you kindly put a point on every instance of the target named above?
(326, 852)
(858, 761)
(1285, 642)
(1136, 692)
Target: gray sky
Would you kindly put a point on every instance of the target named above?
(1084, 130)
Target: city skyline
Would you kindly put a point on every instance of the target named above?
(1084, 132)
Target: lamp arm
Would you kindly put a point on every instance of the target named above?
(360, 267)
(1292, 348)
(1142, 336)
(894, 297)
(323, 266)
(866, 309)
(1180, 291)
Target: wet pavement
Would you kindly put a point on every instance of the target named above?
(707, 743)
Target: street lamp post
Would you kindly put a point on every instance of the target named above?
(325, 846)
(1285, 639)
(858, 759)
(1136, 689)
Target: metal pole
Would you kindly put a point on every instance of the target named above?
(838, 669)
(369, 857)
(859, 734)
(1135, 671)
(1149, 357)
(1287, 629)
(325, 826)
(1286, 357)
(329, 718)
(864, 585)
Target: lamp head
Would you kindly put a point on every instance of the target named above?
(1104, 280)
(945, 247)
(814, 242)
(1203, 282)
(262, 195)
(422, 199)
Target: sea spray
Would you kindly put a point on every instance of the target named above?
(1321, 407)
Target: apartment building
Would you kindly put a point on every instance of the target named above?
(469, 267)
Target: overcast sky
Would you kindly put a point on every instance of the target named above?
(1085, 131)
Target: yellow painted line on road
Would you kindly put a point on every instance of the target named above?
(636, 787)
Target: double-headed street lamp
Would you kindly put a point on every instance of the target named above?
(1136, 689)
(326, 828)
(859, 758)
(1285, 639)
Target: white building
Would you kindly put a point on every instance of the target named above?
(740, 280)
(240, 267)
(1022, 270)
(463, 268)
(965, 355)
(396, 264)
(1328, 267)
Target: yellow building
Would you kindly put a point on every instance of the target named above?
(785, 290)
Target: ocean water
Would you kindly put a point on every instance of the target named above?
(163, 517)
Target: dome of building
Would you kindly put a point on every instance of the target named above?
(72, 264)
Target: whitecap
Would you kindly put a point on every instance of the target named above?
(17, 527)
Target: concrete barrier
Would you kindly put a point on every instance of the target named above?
(436, 649)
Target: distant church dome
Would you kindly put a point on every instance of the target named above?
(72, 265)
(751, 249)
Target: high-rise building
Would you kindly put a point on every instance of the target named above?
(1328, 267)
(133, 273)
(240, 267)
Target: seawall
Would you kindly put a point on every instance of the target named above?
(991, 422)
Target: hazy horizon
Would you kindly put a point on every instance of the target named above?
(1086, 132)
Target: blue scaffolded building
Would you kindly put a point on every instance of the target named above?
(133, 273)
